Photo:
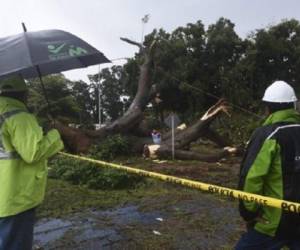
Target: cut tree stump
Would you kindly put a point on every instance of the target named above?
(184, 137)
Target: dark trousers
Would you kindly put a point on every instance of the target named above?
(16, 232)
(253, 240)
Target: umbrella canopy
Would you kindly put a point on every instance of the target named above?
(33, 54)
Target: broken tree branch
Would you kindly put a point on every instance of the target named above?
(132, 43)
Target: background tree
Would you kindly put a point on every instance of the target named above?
(114, 97)
(82, 93)
(276, 51)
(63, 103)
(189, 68)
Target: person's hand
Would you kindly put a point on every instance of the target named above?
(251, 223)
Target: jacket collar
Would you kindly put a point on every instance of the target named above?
(287, 115)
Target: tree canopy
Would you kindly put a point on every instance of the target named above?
(192, 66)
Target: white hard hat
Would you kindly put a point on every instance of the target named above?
(280, 92)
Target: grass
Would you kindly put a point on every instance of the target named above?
(185, 210)
(64, 199)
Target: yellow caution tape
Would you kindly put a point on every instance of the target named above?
(259, 199)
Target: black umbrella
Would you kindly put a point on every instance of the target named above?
(39, 53)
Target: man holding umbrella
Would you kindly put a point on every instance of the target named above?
(24, 151)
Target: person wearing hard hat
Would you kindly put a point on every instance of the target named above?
(271, 167)
(24, 151)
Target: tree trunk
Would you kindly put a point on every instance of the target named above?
(184, 136)
(74, 139)
(134, 115)
(200, 127)
(165, 152)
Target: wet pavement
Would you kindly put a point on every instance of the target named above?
(90, 230)
(198, 222)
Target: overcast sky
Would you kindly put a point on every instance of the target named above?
(102, 22)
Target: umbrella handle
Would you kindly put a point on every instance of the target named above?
(50, 115)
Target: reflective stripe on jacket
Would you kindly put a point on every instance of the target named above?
(24, 151)
(271, 167)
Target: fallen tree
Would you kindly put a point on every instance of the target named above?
(78, 141)
(129, 121)
(184, 137)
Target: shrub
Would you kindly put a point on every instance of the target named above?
(238, 128)
(112, 147)
(88, 174)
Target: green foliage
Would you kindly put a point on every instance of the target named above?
(62, 103)
(218, 62)
(192, 67)
(238, 127)
(81, 92)
(112, 147)
(111, 83)
(275, 55)
(90, 175)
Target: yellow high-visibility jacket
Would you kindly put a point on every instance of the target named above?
(24, 151)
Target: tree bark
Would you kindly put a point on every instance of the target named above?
(165, 152)
(74, 139)
(199, 128)
(134, 115)
(185, 136)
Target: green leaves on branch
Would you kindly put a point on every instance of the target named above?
(91, 175)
